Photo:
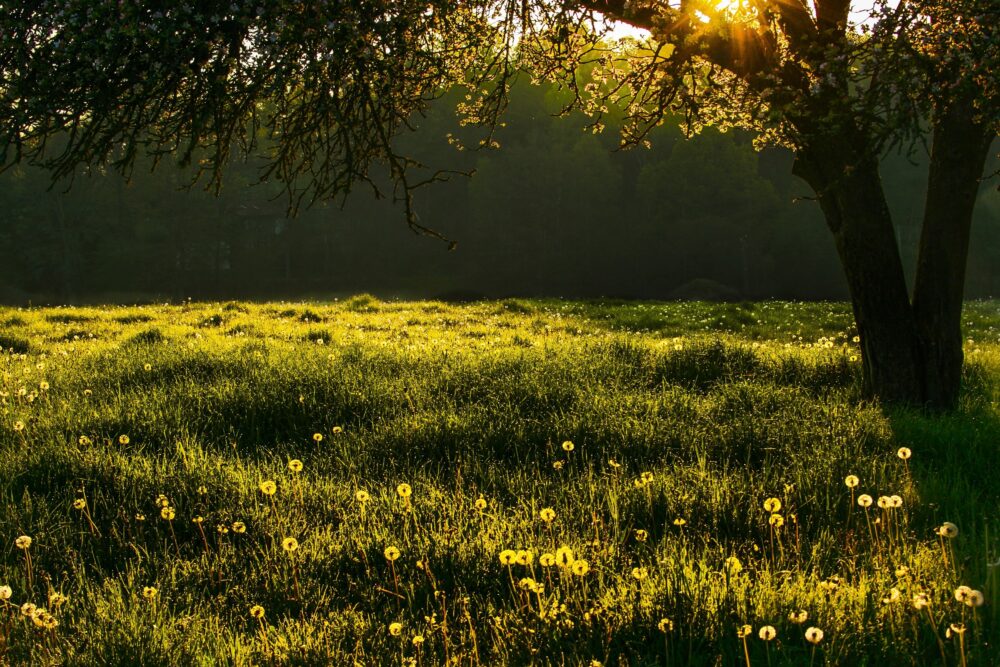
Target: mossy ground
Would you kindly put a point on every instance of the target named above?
(684, 419)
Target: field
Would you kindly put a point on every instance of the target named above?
(499, 483)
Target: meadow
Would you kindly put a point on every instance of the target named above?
(498, 483)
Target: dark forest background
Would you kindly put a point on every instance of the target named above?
(556, 212)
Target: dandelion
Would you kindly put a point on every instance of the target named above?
(947, 529)
(568, 446)
(776, 520)
(289, 544)
(524, 557)
(665, 625)
(865, 500)
(639, 573)
(885, 502)
(295, 465)
(123, 439)
(547, 514)
(798, 617)
(202, 490)
(956, 629)
(614, 464)
(904, 453)
(962, 593)
(147, 367)
(646, 477)
(168, 513)
(317, 437)
(268, 487)
(395, 629)
(23, 542)
(19, 425)
(564, 557)
(80, 504)
(508, 557)
(641, 535)
(84, 441)
(257, 611)
(580, 567)
(6, 592)
(558, 465)
(772, 505)
(545, 560)
(404, 490)
(921, 601)
(239, 527)
(149, 592)
(28, 609)
(480, 503)
(679, 522)
(895, 501)
(198, 519)
(743, 631)
(975, 599)
(767, 633)
(851, 481)
(336, 430)
(814, 635)
(418, 640)
(361, 496)
(222, 529)
(43, 385)
(140, 517)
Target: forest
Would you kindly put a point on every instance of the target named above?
(557, 212)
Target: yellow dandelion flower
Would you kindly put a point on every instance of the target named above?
(526, 583)
(84, 441)
(289, 544)
(19, 425)
(641, 535)
(851, 481)
(317, 437)
(168, 513)
(480, 503)
(295, 465)
(198, 519)
(404, 490)
(947, 529)
(558, 465)
(202, 490)
(614, 464)
(395, 629)
(902, 571)
(28, 609)
(391, 553)
(147, 367)
(743, 631)
(508, 556)
(79, 504)
(814, 635)
(123, 439)
(547, 514)
(885, 502)
(955, 629)
(257, 611)
(361, 496)
(336, 430)
(639, 573)
(547, 560)
(798, 617)
(239, 527)
(525, 557)
(418, 640)
(679, 522)
(767, 633)
(772, 505)
(665, 625)
(149, 592)
(962, 593)
(564, 557)
(975, 599)
(776, 520)
(23, 542)
(43, 385)
(904, 453)
(6, 592)
(268, 487)
(580, 567)
(568, 446)
(140, 516)
(865, 500)
(222, 529)
(50, 622)
(646, 477)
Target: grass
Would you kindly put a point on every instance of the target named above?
(587, 484)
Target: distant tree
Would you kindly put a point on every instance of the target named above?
(333, 84)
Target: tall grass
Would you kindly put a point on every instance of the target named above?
(139, 448)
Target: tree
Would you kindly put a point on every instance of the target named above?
(332, 84)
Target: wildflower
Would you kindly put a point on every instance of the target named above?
(289, 544)
(6, 592)
(743, 631)
(524, 557)
(43, 385)
(665, 625)
(580, 567)
(547, 560)
(404, 490)
(295, 465)
(921, 601)
(568, 446)
(38, 617)
(679, 522)
(947, 529)
(558, 465)
(564, 557)
(895, 501)
(336, 430)
(168, 513)
(547, 514)
(641, 535)
(885, 502)
(28, 609)
(772, 505)
(865, 500)
(222, 529)
(955, 629)
(893, 596)
(147, 367)
(19, 425)
(614, 464)
(646, 477)
(84, 441)
(776, 520)
(508, 556)
(418, 640)
(257, 611)
(361, 496)
(962, 593)
(202, 490)
(50, 622)
(140, 517)
(526, 583)
(798, 617)
(480, 503)
(198, 519)
(814, 635)
(395, 629)
(639, 573)
(239, 527)
(904, 453)
(851, 481)
(733, 565)
(317, 437)
(123, 439)
(22, 542)
(149, 592)
(268, 487)
(902, 571)
(975, 599)
(767, 633)
(79, 504)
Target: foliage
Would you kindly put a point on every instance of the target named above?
(622, 419)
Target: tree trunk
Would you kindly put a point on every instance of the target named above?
(847, 184)
(958, 156)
